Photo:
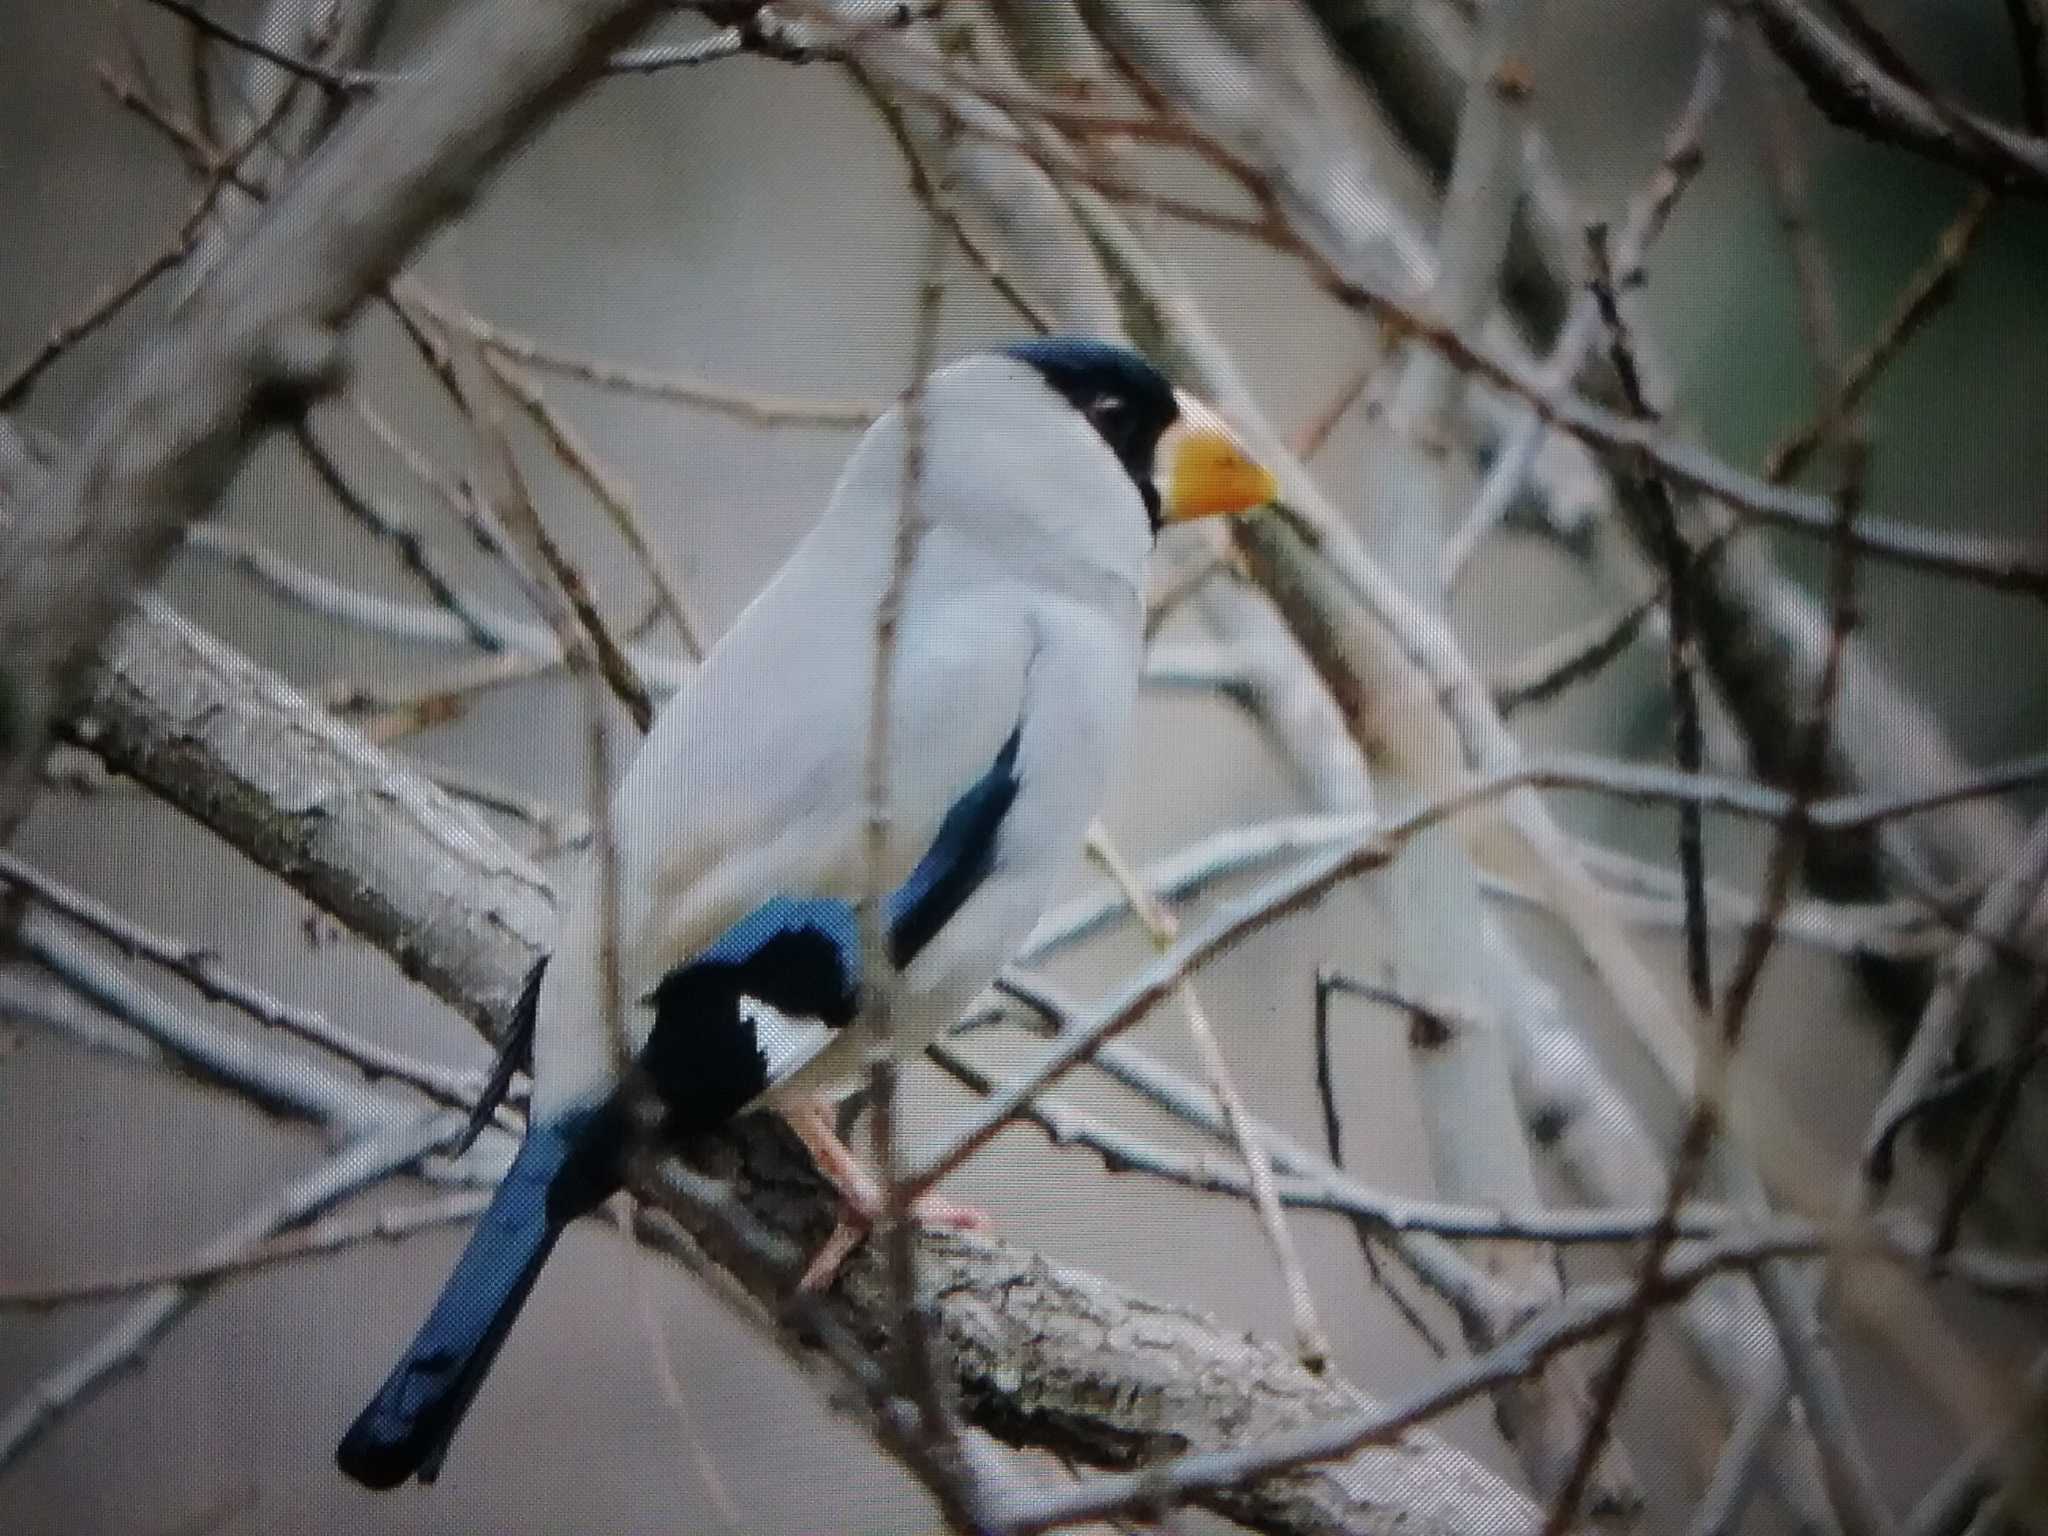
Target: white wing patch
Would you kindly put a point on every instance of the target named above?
(786, 1041)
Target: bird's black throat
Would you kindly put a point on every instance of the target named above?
(1128, 401)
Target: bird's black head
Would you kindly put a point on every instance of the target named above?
(1126, 399)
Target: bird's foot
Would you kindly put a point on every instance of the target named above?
(862, 1202)
(928, 1210)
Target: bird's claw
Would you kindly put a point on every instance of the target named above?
(857, 1220)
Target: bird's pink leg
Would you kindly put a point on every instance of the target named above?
(863, 1201)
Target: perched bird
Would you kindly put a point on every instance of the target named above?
(741, 827)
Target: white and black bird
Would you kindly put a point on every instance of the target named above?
(740, 829)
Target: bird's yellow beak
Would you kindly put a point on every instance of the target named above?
(1203, 468)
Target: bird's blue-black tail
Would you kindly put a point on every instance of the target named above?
(561, 1172)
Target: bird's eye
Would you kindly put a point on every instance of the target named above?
(1106, 408)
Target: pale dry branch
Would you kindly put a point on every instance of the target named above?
(607, 489)
(394, 527)
(1607, 1144)
(392, 1224)
(534, 645)
(1859, 92)
(258, 337)
(1762, 636)
(1970, 970)
(201, 969)
(1312, 1344)
(753, 407)
(388, 1149)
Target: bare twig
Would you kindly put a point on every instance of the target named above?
(1312, 1344)
(119, 294)
(1995, 563)
(1678, 166)
(756, 409)
(938, 199)
(1690, 742)
(392, 527)
(201, 969)
(392, 1224)
(258, 338)
(1311, 435)
(915, 1368)
(610, 492)
(1333, 1139)
(1811, 1370)
(554, 584)
(1967, 972)
(1855, 91)
(1572, 658)
(391, 1147)
(1586, 1313)
(534, 645)
(1992, 1123)
(311, 70)
(1922, 297)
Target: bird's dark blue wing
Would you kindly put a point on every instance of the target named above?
(709, 1054)
(959, 859)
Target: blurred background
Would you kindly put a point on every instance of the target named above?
(750, 222)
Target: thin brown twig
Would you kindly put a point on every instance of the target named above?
(123, 291)
(1896, 1237)
(389, 1225)
(390, 526)
(413, 299)
(1311, 435)
(1985, 942)
(1700, 1129)
(586, 639)
(1856, 91)
(753, 33)
(1861, 1511)
(199, 152)
(449, 490)
(1328, 982)
(1573, 657)
(1996, 563)
(753, 407)
(1922, 297)
(1649, 211)
(1312, 1343)
(935, 1442)
(941, 206)
(339, 81)
(610, 493)
(386, 714)
(558, 592)
(1689, 747)
(200, 968)
(1992, 1123)
(1586, 1313)
(438, 330)
(1357, 844)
